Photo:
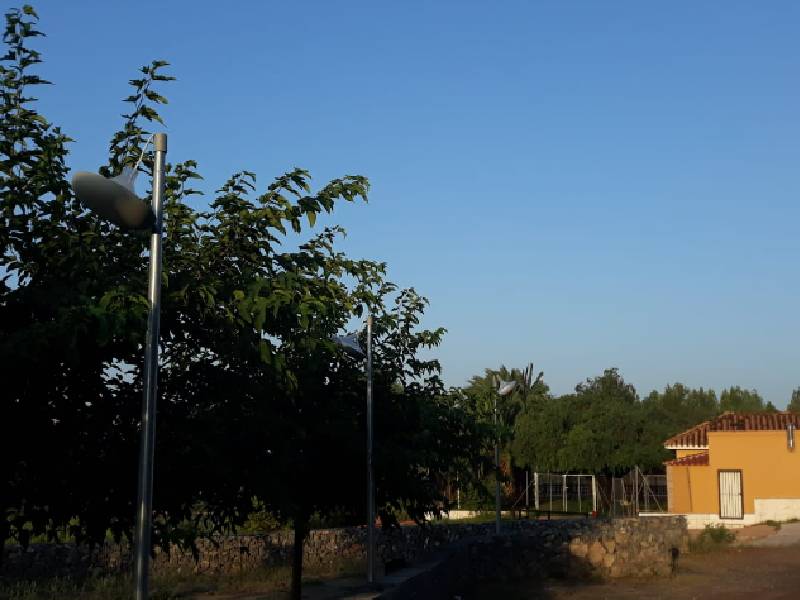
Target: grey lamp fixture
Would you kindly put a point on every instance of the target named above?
(504, 388)
(351, 344)
(115, 200)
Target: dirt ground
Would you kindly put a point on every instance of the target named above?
(732, 574)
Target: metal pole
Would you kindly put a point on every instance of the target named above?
(144, 505)
(527, 496)
(370, 482)
(496, 473)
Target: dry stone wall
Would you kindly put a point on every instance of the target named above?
(612, 548)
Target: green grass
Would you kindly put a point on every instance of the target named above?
(269, 583)
(777, 524)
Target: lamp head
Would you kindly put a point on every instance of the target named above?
(350, 343)
(114, 199)
(506, 387)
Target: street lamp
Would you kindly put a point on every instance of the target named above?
(504, 388)
(115, 200)
(351, 344)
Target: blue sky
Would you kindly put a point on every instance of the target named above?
(578, 184)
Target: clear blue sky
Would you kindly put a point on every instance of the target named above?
(580, 184)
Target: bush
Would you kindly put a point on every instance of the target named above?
(713, 537)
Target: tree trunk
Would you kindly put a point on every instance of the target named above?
(4, 531)
(300, 534)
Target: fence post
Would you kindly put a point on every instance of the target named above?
(594, 493)
(636, 491)
(536, 490)
(564, 494)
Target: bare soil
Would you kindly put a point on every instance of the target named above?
(736, 573)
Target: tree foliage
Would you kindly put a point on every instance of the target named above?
(740, 400)
(255, 399)
(605, 428)
(794, 401)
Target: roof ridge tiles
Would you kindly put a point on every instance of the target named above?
(697, 436)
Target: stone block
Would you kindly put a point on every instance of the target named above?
(596, 553)
(578, 548)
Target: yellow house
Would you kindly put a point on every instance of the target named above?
(737, 469)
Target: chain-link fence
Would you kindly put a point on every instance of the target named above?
(558, 492)
(637, 492)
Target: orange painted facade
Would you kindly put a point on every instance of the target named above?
(770, 471)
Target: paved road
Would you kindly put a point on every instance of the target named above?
(787, 535)
(738, 573)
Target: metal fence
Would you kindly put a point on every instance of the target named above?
(629, 495)
(637, 492)
(558, 492)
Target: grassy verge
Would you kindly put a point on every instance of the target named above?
(269, 583)
(777, 524)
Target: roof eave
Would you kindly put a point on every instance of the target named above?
(684, 447)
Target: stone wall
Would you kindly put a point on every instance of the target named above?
(611, 548)
(568, 549)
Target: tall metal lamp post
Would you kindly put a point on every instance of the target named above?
(350, 343)
(115, 200)
(504, 388)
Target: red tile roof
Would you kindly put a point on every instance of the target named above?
(697, 436)
(693, 460)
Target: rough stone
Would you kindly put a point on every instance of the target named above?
(578, 548)
(596, 553)
(605, 548)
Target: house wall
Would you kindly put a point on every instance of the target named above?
(769, 469)
(770, 478)
(693, 490)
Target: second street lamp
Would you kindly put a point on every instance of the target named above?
(115, 200)
(504, 388)
(350, 343)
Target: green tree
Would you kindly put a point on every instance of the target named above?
(482, 396)
(253, 394)
(794, 401)
(739, 400)
(672, 411)
(597, 429)
(541, 433)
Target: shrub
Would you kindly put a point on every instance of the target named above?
(712, 537)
